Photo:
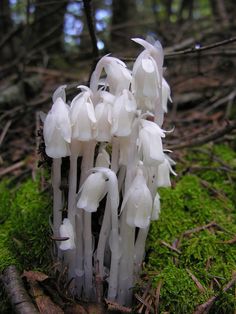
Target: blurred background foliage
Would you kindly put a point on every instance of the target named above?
(46, 27)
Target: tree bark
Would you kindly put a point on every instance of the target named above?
(20, 300)
(50, 17)
(123, 12)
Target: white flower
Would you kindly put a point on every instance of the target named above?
(123, 114)
(150, 143)
(146, 82)
(83, 116)
(147, 79)
(57, 130)
(92, 192)
(118, 76)
(138, 201)
(165, 94)
(156, 208)
(103, 159)
(66, 230)
(103, 113)
(163, 172)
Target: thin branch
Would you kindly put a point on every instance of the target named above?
(18, 296)
(203, 308)
(200, 49)
(172, 248)
(4, 132)
(207, 138)
(90, 22)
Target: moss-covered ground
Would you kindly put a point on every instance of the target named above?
(24, 229)
(203, 192)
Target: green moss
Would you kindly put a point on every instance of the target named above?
(177, 284)
(24, 232)
(196, 200)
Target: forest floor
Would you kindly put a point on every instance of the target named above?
(194, 240)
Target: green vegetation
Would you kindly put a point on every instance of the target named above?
(205, 194)
(24, 228)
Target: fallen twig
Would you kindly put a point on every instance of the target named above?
(204, 227)
(207, 138)
(202, 308)
(171, 247)
(197, 282)
(157, 296)
(18, 296)
(113, 306)
(12, 168)
(4, 132)
(145, 302)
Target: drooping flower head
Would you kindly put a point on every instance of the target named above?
(123, 113)
(57, 127)
(138, 201)
(82, 115)
(103, 113)
(66, 231)
(150, 143)
(118, 76)
(92, 192)
(148, 85)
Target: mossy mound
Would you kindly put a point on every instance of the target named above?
(200, 197)
(24, 228)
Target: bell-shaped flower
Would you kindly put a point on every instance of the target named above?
(92, 192)
(83, 116)
(155, 50)
(146, 82)
(165, 94)
(138, 201)
(156, 207)
(118, 76)
(103, 114)
(150, 143)
(123, 114)
(66, 231)
(103, 159)
(57, 130)
(59, 93)
(163, 172)
(147, 79)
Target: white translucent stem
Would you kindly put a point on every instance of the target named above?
(70, 255)
(103, 236)
(115, 254)
(127, 233)
(57, 196)
(87, 163)
(126, 264)
(115, 155)
(72, 189)
(139, 250)
(79, 258)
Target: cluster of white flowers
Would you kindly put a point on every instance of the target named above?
(114, 127)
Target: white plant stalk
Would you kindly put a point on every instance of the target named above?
(114, 127)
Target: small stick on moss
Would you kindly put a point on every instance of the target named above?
(157, 296)
(231, 241)
(146, 291)
(17, 294)
(202, 308)
(171, 247)
(207, 226)
(113, 306)
(198, 284)
(148, 306)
